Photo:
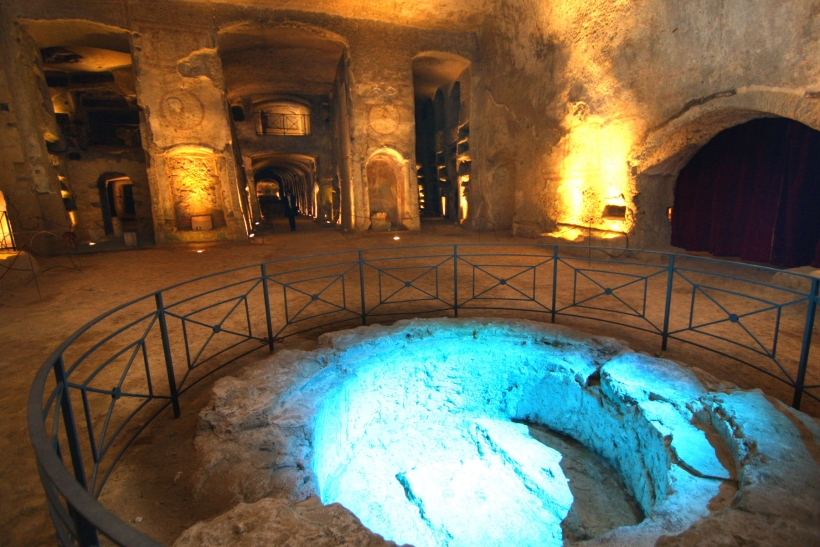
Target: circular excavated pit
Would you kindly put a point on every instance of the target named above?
(453, 432)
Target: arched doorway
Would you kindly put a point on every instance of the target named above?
(442, 134)
(752, 192)
(278, 175)
(286, 85)
(385, 193)
(116, 202)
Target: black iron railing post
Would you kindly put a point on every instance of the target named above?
(86, 533)
(361, 286)
(455, 280)
(267, 305)
(811, 313)
(670, 279)
(166, 347)
(554, 280)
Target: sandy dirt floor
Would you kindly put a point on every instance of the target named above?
(151, 483)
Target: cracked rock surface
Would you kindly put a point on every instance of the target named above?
(412, 427)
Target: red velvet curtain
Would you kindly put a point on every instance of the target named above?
(753, 192)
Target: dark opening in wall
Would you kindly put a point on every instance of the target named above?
(752, 192)
(238, 113)
(65, 79)
(442, 134)
(614, 211)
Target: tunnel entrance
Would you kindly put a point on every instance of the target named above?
(279, 176)
(288, 99)
(117, 205)
(442, 135)
(752, 192)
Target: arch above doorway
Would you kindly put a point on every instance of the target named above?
(665, 149)
(657, 158)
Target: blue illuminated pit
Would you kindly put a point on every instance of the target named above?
(415, 434)
(426, 431)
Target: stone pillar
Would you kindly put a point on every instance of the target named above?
(193, 171)
(247, 165)
(382, 123)
(28, 179)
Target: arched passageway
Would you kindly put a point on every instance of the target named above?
(287, 92)
(276, 177)
(117, 205)
(441, 83)
(752, 192)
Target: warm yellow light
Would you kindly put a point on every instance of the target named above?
(396, 238)
(193, 172)
(462, 202)
(595, 173)
(91, 243)
(443, 205)
(199, 250)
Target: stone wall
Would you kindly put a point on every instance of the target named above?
(605, 92)
(574, 105)
(28, 179)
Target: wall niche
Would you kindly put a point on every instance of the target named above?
(193, 176)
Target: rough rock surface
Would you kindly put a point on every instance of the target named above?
(788, 280)
(706, 462)
(277, 522)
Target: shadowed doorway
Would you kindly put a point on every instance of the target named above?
(752, 192)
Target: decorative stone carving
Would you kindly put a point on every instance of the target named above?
(183, 110)
(194, 181)
(384, 119)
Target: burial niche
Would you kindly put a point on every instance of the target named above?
(385, 193)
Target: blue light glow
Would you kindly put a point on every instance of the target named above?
(415, 437)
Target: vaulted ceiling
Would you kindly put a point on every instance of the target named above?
(284, 60)
(458, 15)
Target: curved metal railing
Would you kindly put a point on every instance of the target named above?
(132, 364)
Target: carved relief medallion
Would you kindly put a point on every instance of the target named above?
(182, 110)
(383, 119)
